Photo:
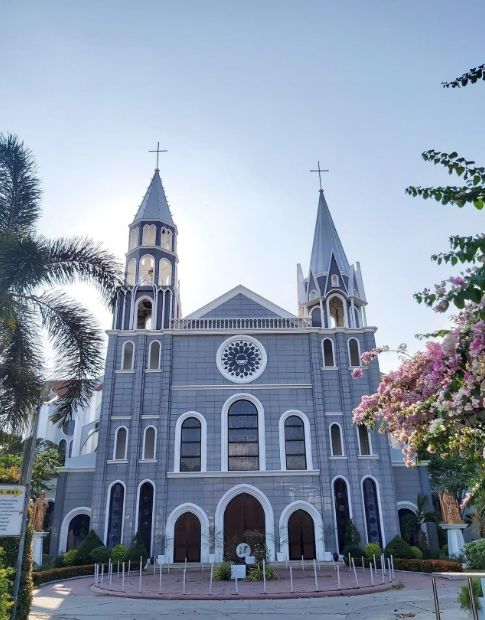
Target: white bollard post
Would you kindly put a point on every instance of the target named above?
(315, 572)
(141, 568)
(129, 567)
(110, 576)
(371, 575)
(160, 585)
(102, 575)
(302, 563)
(375, 565)
(118, 569)
(183, 583)
(154, 567)
(363, 565)
(383, 562)
(355, 573)
(264, 576)
(286, 562)
(383, 571)
(392, 567)
(338, 577)
(350, 563)
(185, 564)
(390, 571)
(210, 581)
(95, 574)
(123, 578)
(237, 589)
(291, 578)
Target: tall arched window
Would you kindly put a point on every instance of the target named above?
(147, 269)
(166, 239)
(144, 314)
(131, 273)
(164, 272)
(372, 512)
(127, 356)
(328, 357)
(116, 510)
(336, 440)
(342, 511)
(316, 317)
(154, 355)
(190, 445)
(133, 238)
(243, 448)
(145, 514)
(149, 232)
(337, 313)
(149, 443)
(354, 352)
(295, 443)
(364, 440)
(121, 444)
(63, 449)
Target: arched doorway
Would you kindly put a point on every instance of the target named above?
(410, 537)
(187, 538)
(145, 510)
(77, 531)
(243, 513)
(301, 536)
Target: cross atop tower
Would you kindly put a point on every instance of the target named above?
(157, 151)
(319, 170)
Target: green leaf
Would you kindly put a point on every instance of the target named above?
(476, 180)
(453, 155)
(479, 204)
(459, 303)
(454, 260)
(475, 295)
(438, 196)
(460, 170)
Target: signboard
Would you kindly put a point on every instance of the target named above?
(238, 571)
(243, 550)
(12, 499)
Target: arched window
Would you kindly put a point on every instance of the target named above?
(70, 449)
(77, 531)
(166, 239)
(121, 444)
(313, 294)
(149, 232)
(336, 440)
(127, 356)
(154, 355)
(149, 443)
(144, 314)
(69, 430)
(364, 440)
(116, 513)
(337, 313)
(295, 443)
(164, 272)
(328, 357)
(190, 445)
(243, 448)
(316, 317)
(147, 268)
(357, 317)
(131, 273)
(63, 450)
(342, 510)
(133, 238)
(145, 514)
(335, 280)
(372, 512)
(354, 352)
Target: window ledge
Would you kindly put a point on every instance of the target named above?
(112, 461)
(338, 457)
(368, 456)
(147, 460)
(153, 369)
(334, 413)
(354, 367)
(124, 372)
(329, 367)
(243, 474)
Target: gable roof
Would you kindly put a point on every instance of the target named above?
(154, 205)
(240, 290)
(326, 241)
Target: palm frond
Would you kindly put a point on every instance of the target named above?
(23, 257)
(85, 260)
(77, 340)
(19, 185)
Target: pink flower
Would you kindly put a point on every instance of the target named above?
(357, 373)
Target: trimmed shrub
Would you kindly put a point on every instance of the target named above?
(138, 549)
(464, 596)
(11, 548)
(46, 559)
(371, 550)
(222, 572)
(352, 536)
(256, 573)
(428, 566)
(70, 558)
(120, 553)
(7, 575)
(100, 555)
(58, 561)
(445, 549)
(92, 541)
(418, 554)
(474, 553)
(58, 574)
(399, 548)
(354, 550)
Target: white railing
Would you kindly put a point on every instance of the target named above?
(243, 324)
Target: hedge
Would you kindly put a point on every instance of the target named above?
(416, 566)
(11, 547)
(58, 574)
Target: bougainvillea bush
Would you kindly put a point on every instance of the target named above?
(435, 401)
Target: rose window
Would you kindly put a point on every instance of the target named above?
(241, 359)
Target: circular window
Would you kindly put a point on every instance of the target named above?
(241, 359)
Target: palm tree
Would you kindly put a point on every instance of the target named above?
(30, 266)
(412, 523)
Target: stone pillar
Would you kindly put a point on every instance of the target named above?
(37, 545)
(455, 537)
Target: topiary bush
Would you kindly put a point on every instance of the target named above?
(445, 549)
(399, 548)
(138, 549)
(120, 553)
(371, 550)
(352, 536)
(474, 553)
(418, 554)
(57, 561)
(92, 541)
(100, 555)
(70, 557)
(354, 550)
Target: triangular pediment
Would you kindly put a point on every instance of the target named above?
(240, 302)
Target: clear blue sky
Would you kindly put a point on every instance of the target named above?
(246, 97)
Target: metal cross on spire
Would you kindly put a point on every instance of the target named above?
(319, 170)
(158, 151)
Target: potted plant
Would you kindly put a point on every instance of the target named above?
(214, 542)
(165, 542)
(282, 540)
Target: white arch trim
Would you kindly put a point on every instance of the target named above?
(178, 439)
(308, 440)
(225, 432)
(317, 523)
(106, 521)
(344, 305)
(82, 510)
(268, 515)
(379, 504)
(137, 512)
(204, 530)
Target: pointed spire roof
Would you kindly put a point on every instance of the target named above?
(326, 241)
(155, 206)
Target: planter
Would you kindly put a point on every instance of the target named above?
(212, 558)
(280, 556)
(160, 559)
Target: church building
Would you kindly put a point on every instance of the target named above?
(236, 417)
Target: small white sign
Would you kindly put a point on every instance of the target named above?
(238, 571)
(12, 498)
(250, 560)
(243, 550)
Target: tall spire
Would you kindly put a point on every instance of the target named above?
(326, 241)
(154, 205)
